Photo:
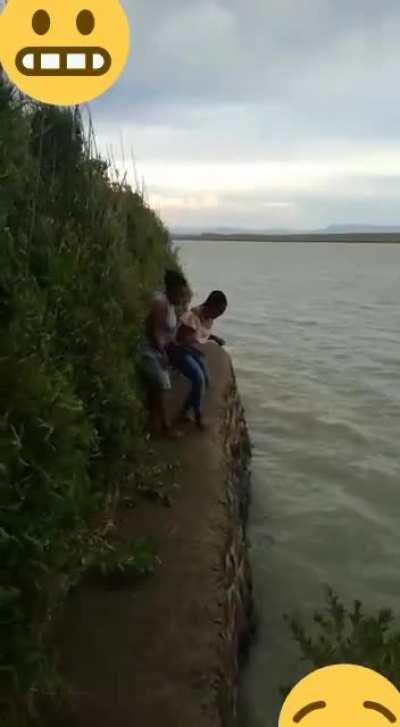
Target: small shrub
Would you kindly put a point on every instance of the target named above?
(344, 635)
(123, 563)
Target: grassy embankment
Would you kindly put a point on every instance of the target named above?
(78, 255)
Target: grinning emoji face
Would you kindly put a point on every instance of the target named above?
(64, 52)
(342, 696)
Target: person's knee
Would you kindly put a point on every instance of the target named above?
(193, 372)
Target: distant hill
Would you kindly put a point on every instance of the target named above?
(179, 232)
(335, 229)
(358, 237)
(361, 229)
(332, 233)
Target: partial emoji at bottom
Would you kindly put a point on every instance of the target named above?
(343, 695)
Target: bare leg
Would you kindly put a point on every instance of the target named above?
(202, 423)
(195, 372)
(164, 418)
(157, 410)
(160, 422)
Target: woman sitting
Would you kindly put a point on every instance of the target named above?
(161, 326)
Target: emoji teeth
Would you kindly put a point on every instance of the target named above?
(28, 61)
(49, 61)
(98, 61)
(76, 61)
(63, 61)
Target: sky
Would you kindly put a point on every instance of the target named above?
(260, 114)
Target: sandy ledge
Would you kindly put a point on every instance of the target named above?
(166, 653)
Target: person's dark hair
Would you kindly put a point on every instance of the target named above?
(217, 299)
(174, 279)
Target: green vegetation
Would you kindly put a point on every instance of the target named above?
(78, 256)
(123, 563)
(350, 636)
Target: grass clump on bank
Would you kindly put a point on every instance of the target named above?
(78, 256)
(119, 564)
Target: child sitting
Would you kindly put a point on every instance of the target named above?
(186, 352)
(201, 318)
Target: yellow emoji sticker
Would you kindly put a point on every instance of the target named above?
(342, 696)
(64, 52)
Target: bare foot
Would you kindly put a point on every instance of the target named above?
(185, 418)
(172, 433)
(202, 424)
(166, 433)
(188, 418)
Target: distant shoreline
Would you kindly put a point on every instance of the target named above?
(355, 238)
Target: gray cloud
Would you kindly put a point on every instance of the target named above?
(228, 81)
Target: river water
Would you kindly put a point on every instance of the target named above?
(314, 331)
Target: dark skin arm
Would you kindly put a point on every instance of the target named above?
(218, 340)
(155, 324)
(187, 338)
(205, 312)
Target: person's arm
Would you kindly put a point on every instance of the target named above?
(185, 336)
(216, 339)
(189, 323)
(156, 323)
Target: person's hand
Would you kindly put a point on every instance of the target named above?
(200, 352)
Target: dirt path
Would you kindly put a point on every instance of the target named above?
(150, 656)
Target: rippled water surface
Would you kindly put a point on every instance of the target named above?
(314, 330)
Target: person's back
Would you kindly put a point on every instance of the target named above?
(161, 321)
(160, 329)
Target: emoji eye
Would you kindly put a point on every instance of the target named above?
(307, 710)
(384, 711)
(41, 22)
(85, 22)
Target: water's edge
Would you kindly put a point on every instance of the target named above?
(313, 330)
(239, 608)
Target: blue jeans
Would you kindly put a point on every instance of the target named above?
(195, 370)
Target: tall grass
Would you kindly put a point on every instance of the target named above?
(79, 253)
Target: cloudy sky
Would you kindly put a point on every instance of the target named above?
(260, 114)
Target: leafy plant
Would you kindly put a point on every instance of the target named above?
(121, 563)
(344, 635)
